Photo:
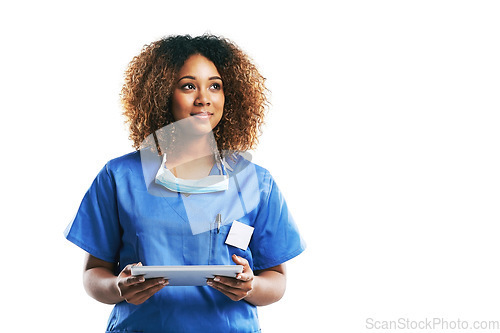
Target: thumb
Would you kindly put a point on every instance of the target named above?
(239, 260)
(247, 273)
(128, 269)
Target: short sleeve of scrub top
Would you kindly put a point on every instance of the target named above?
(96, 227)
(275, 239)
(120, 221)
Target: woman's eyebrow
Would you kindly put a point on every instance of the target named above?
(187, 77)
(194, 78)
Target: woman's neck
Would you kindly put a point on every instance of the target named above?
(192, 159)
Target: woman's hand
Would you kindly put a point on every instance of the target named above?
(135, 289)
(235, 288)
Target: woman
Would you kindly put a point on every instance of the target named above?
(193, 105)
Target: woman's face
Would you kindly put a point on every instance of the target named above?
(198, 94)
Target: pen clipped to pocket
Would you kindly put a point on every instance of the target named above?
(215, 226)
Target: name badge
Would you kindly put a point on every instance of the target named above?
(239, 235)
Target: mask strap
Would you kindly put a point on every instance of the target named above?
(164, 160)
(226, 165)
(220, 164)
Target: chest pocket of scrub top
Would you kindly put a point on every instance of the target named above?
(220, 253)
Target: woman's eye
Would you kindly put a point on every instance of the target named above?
(216, 86)
(188, 86)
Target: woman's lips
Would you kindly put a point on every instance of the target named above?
(202, 115)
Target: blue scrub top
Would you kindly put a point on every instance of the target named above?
(126, 218)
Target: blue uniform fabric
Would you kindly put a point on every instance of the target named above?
(124, 218)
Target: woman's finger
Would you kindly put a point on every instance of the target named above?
(147, 284)
(231, 282)
(234, 294)
(144, 295)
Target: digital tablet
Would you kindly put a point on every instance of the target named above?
(195, 275)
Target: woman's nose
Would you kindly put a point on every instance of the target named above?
(202, 98)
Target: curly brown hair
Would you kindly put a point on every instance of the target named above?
(150, 79)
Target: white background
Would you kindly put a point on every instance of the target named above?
(383, 135)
